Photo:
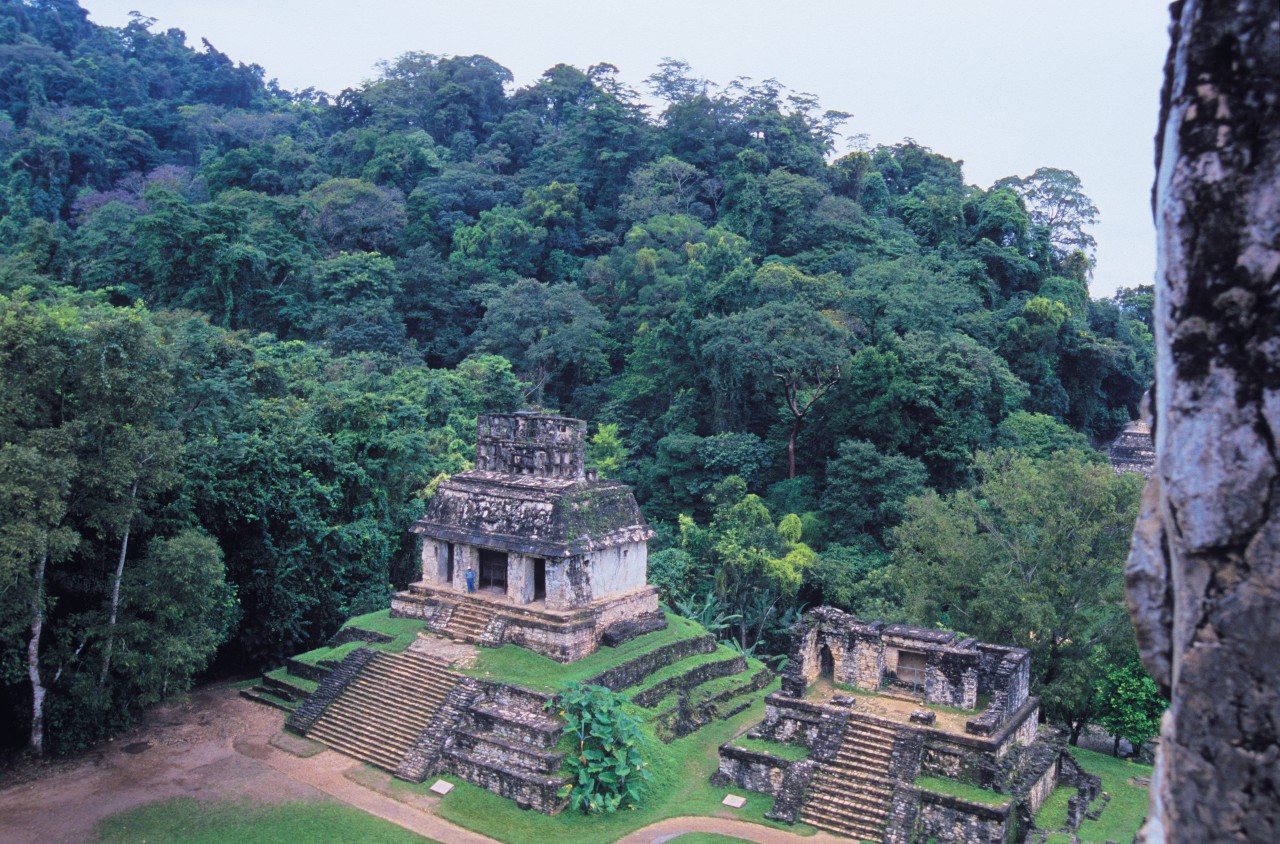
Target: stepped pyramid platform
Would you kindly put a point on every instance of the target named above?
(396, 695)
(533, 579)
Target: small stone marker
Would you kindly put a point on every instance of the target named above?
(442, 787)
(733, 801)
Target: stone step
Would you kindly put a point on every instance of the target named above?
(385, 708)
(859, 765)
(474, 619)
(405, 690)
(869, 756)
(266, 697)
(372, 716)
(394, 740)
(411, 660)
(521, 755)
(360, 721)
(871, 797)
(850, 782)
(849, 811)
(863, 831)
(285, 689)
(351, 733)
(517, 725)
(409, 687)
(361, 753)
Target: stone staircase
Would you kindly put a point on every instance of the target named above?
(850, 794)
(467, 621)
(381, 713)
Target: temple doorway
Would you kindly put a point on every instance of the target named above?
(539, 579)
(448, 566)
(911, 670)
(826, 664)
(493, 569)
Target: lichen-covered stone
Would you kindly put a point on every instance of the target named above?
(1204, 571)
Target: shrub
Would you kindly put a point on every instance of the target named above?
(608, 769)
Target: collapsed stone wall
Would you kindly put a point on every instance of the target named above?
(817, 726)
(693, 677)
(635, 670)
(760, 772)
(917, 815)
(867, 655)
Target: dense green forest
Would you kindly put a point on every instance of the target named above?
(245, 331)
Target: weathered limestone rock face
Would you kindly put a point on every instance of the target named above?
(1204, 572)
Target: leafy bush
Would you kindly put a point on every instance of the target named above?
(608, 769)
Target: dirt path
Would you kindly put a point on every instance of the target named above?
(218, 746)
(663, 831)
(184, 750)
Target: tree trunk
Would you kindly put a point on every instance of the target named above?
(1204, 570)
(33, 658)
(115, 606)
(791, 449)
(115, 595)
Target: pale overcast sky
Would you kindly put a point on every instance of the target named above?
(1004, 85)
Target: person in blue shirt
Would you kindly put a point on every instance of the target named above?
(471, 580)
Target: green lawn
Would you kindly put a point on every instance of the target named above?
(1123, 814)
(404, 631)
(382, 622)
(961, 790)
(302, 684)
(702, 691)
(681, 772)
(513, 664)
(184, 820)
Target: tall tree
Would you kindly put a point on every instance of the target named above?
(1057, 201)
(1033, 555)
(787, 347)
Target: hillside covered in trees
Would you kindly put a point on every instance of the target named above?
(245, 331)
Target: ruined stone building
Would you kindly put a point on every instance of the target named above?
(863, 698)
(1134, 450)
(557, 561)
(558, 556)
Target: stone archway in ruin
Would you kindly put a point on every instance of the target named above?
(826, 663)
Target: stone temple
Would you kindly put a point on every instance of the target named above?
(887, 710)
(558, 556)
